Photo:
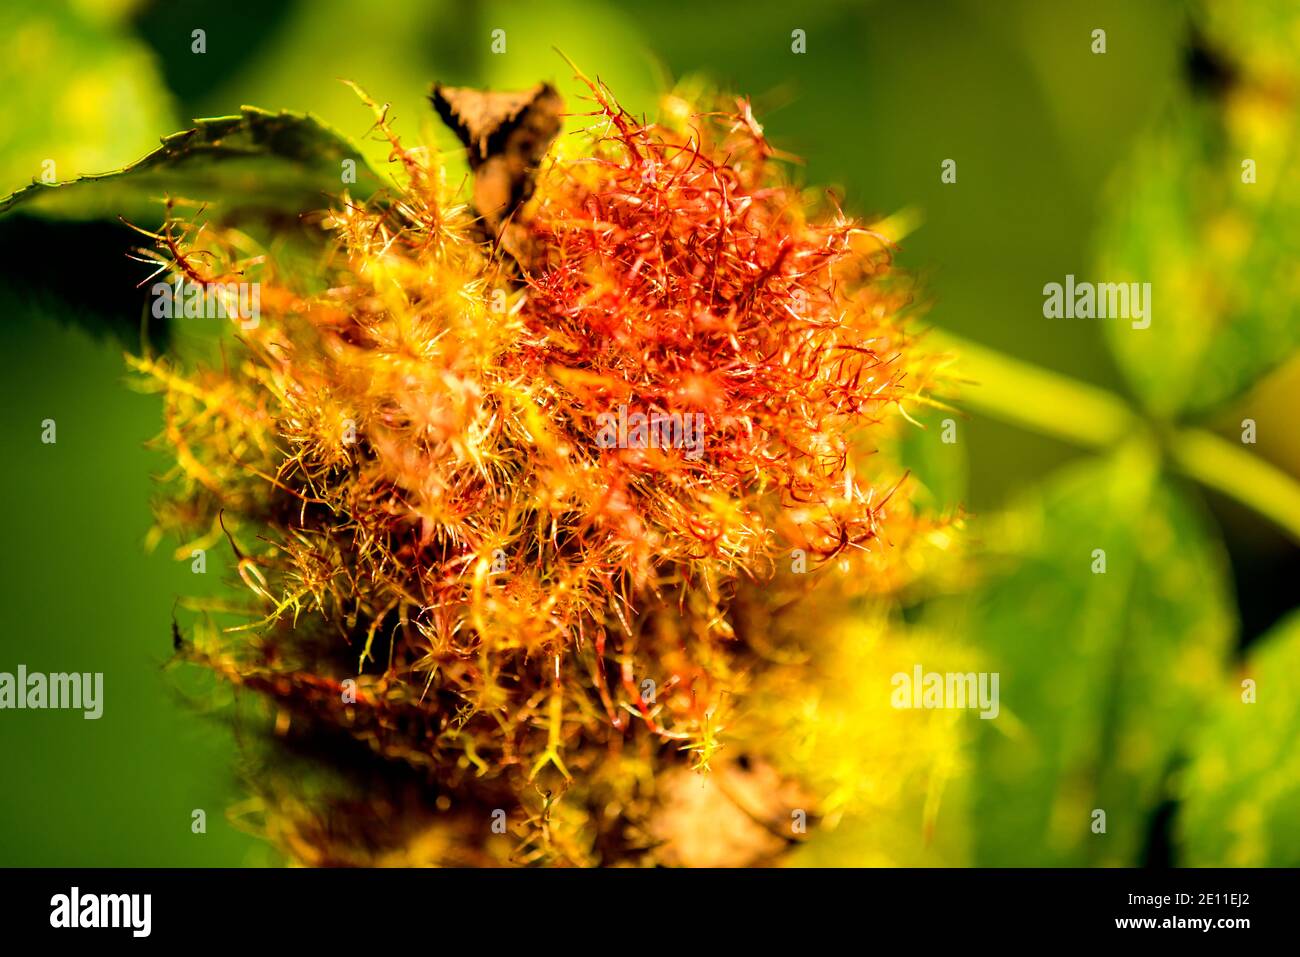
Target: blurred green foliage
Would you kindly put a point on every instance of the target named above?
(1240, 795)
(80, 91)
(1221, 252)
(1105, 608)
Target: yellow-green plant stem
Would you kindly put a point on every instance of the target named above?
(1035, 398)
(1228, 468)
(1055, 405)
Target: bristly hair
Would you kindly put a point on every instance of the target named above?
(445, 564)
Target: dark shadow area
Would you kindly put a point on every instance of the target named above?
(1265, 567)
(79, 274)
(235, 33)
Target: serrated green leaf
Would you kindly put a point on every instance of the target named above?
(1241, 791)
(1102, 675)
(251, 165)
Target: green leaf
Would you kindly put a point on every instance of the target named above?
(245, 166)
(1241, 791)
(1219, 253)
(1102, 675)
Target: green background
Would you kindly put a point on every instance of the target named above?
(1039, 125)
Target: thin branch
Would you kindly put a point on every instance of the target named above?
(1052, 404)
